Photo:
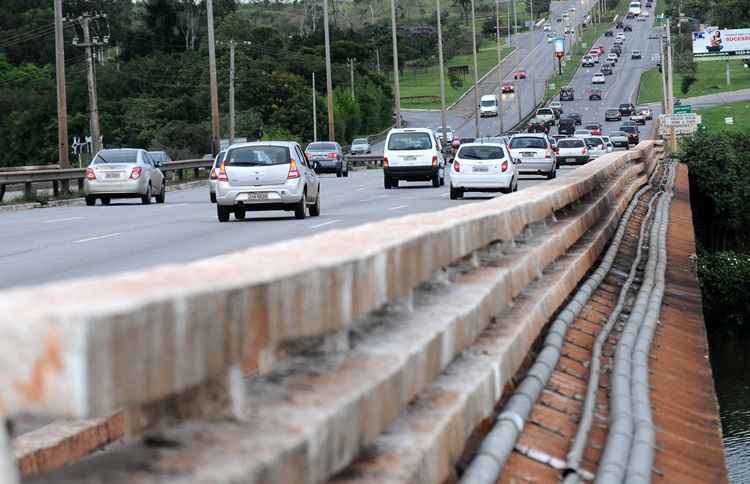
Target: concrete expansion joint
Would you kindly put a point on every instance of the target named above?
(513, 418)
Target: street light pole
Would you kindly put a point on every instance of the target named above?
(62, 104)
(499, 66)
(509, 23)
(396, 90)
(531, 34)
(315, 110)
(476, 69)
(329, 85)
(231, 91)
(670, 86)
(443, 124)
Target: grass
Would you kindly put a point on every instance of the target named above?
(713, 118)
(710, 79)
(424, 84)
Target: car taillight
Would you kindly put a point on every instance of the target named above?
(434, 161)
(504, 166)
(548, 153)
(332, 156)
(293, 171)
(385, 162)
(222, 173)
(90, 175)
(584, 151)
(136, 172)
(456, 166)
(213, 175)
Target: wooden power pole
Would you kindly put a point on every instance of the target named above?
(215, 134)
(62, 103)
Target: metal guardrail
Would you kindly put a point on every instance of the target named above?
(28, 178)
(367, 161)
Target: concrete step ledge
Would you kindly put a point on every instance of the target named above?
(427, 440)
(310, 417)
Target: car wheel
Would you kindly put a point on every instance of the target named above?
(90, 201)
(222, 213)
(552, 174)
(300, 210)
(515, 185)
(339, 173)
(239, 214)
(456, 193)
(394, 182)
(442, 181)
(315, 208)
(105, 200)
(386, 182)
(346, 173)
(162, 194)
(146, 199)
(213, 197)
(436, 180)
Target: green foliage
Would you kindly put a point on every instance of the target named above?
(725, 281)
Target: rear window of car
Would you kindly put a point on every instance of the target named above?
(618, 133)
(594, 142)
(592, 126)
(481, 153)
(570, 143)
(258, 156)
(116, 156)
(567, 121)
(359, 141)
(219, 159)
(409, 141)
(321, 147)
(625, 105)
(487, 102)
(528, 142)
(544, 111)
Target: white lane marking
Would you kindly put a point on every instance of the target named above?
(325, 223)
(66, 219)
(372, 199)
(174, 205)
(360, 189)
(107, 236)
(361, 186)
(398, 207)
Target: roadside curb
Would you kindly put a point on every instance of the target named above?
(75, 202)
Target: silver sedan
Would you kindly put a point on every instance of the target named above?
(124, 173)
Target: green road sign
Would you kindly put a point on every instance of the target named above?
(683, 108)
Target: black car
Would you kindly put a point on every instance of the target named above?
(633, 134)
(617, 49)
(606, 70)
(626, 109)
(612, 115)
(574, 116)
(567, 94)
(609, 33)
(537, 125)
(566, 126)
(595, 95)
(628, 28)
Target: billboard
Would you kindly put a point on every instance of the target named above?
(559, 47)
(713, 43)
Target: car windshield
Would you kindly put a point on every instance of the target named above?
(321, 147)
(613, 111)
(528, 142)
(618, 133)
(116, 156)
(593, 142)
(258, 156)
(487, 102)
(409, 141)
(219, 157)
(359, 141)
(544, 111)
(570, 143)
(481, 153)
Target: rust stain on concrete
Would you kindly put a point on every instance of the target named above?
(49, 361)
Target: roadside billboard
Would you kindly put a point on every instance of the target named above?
(713, 43)
(559, 47)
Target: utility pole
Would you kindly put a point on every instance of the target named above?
(515, 18)
(62, 103)
(315, 111)
(531, 33)
(329, 86)
(499, 67)
(509, 23)
(662, 60)
(476, 69)
(377, 49)
(670, 87)
(396, 90)
(443, 123)
(85, 20)
(214, 87)
(351, 75)
(231, 91)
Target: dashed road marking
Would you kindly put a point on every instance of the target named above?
(99, 237)
(66, 219)
(325, 223)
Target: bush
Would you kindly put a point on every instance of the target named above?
(725, 280)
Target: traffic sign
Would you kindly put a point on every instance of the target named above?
(689, 119)
(683, 108)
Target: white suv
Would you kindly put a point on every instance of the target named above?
(534, 154)
(412, 154)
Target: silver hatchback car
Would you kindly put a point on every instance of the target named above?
(124, 173)
(266, 175)
(214, 176)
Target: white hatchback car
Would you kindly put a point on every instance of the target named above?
(534, 154)
(483, 167)
(596, 145)
(598, 78)
(412, 154)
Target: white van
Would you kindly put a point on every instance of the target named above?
(412, 154)
(488, 106)
(635, 8)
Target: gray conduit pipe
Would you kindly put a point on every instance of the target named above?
(612, 466)
(641, 460)
(499, 443)
(578, 446)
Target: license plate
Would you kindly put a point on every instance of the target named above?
(253, 196)
(410, 158)
(570, 160)
(480, 169)
(112, 174)
(528, 154)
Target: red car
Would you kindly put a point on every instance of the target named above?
(599, 49)
(519, 74)
(508, 87)
(595, 128)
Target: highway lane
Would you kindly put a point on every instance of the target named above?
(53, 244)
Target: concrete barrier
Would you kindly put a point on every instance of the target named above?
(346, 332)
